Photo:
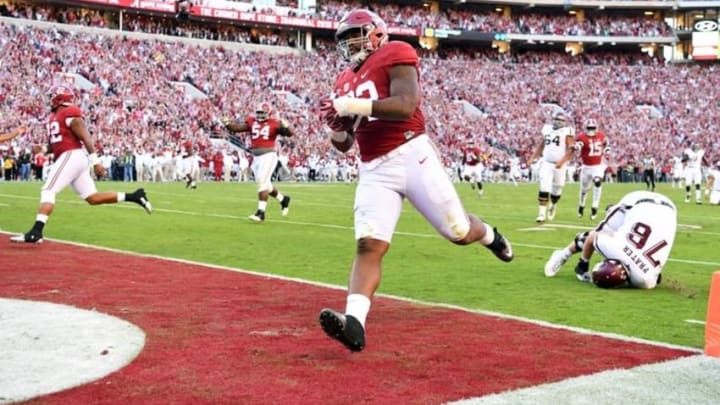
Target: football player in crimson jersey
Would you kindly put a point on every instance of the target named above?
(592, 145)
(263, 132)
(473, 166)
(636, 235)
(74, 150)
(11, 135)
(380, 93)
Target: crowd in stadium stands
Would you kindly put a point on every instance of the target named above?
(140, 118)
(475, 20)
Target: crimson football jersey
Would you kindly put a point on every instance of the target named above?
(263, 133)
(592, 148)
(471, 156)
(376, 137)
(61, 137)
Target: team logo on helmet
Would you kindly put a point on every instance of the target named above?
(61, 95)
(359, 33)
(263, 111)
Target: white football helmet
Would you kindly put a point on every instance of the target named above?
(591, 127)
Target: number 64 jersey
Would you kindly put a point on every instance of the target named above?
(639, 232)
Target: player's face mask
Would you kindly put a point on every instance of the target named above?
(352, 45)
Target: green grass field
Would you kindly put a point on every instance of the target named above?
(315, 242)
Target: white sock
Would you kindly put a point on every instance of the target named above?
(42, 218)
(489, 235)
(279, 196)
(597, 193)
(358, 306)
(120, 197)
(262, 205)
(543, 210)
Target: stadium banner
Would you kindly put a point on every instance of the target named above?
(706, 39)
(236, 15)
(460, 35)
(149, 5)
(248, 16)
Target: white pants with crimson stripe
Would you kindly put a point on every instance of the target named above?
(413, 171)
(72, 168)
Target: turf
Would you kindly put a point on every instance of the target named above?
(315, 242)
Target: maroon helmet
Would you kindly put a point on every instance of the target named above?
(609, 273)
(61, 95)
(372, 35)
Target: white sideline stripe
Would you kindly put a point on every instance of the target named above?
(398, 298)
(689, 380)
(695, 321)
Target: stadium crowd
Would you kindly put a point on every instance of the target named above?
(136, 107)
(471, 19)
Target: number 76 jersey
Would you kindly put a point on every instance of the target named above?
(639, 232)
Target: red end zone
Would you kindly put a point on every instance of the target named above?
(217, 336)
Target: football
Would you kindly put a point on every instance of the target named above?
(344, 145)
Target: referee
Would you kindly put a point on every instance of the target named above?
(648, 163)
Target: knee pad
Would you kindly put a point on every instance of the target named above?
(597, 181)
(556, 190)
(543, 196)
(264, 187)
(47, 196)
(580, 240)
(459, 229)
(554, 198)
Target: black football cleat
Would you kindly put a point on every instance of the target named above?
(501, 248)
(285, 205)
(258, 216)
(346, 329)
(141, 199)
(34, 236)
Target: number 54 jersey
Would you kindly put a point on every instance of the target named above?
(371, 80)
(639, 232)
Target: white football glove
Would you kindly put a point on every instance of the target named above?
(346, 106)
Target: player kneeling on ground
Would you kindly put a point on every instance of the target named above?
(634, 238)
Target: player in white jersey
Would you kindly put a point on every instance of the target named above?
(556, 149)
(713, 184)
(635, 240)
(693, 157)
(678, 171)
